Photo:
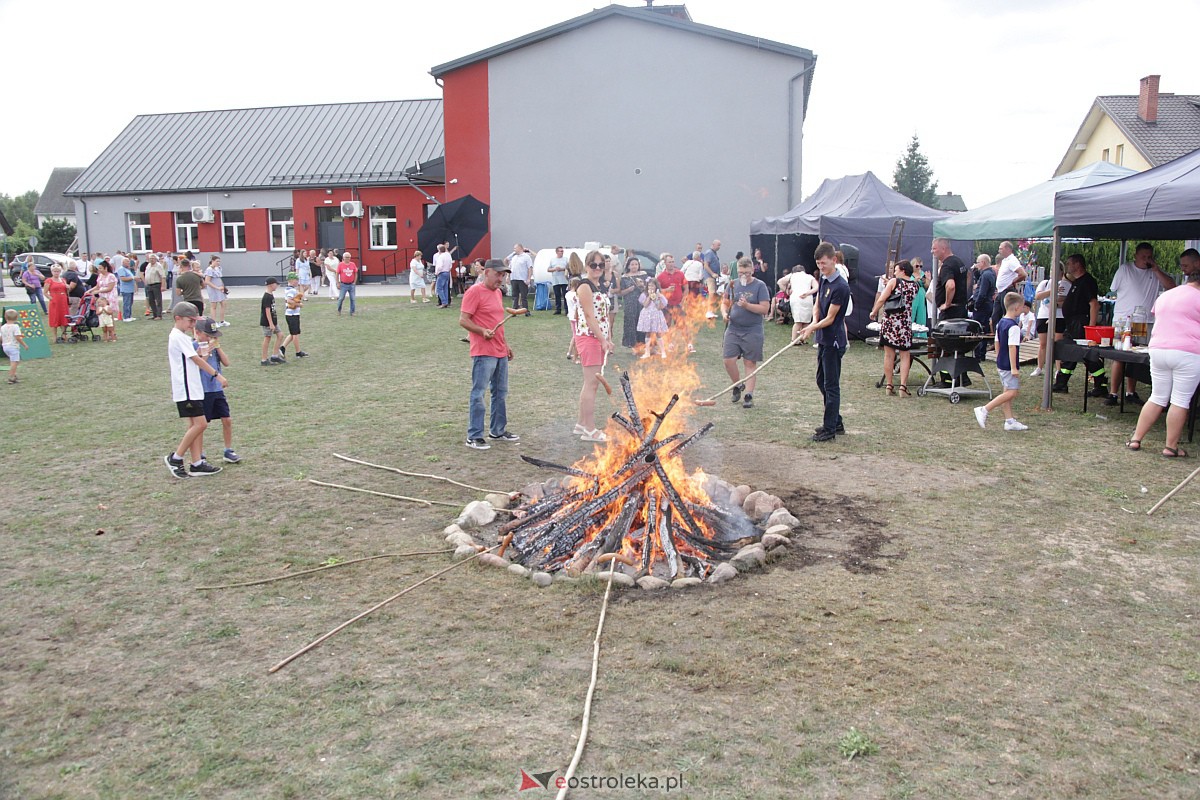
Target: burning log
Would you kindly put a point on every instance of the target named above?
(635, 506)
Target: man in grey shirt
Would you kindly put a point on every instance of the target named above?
(745, 305)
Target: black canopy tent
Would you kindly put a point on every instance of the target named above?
(1160, 203)
(857, 210)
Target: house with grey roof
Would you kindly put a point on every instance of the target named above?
(631, 125)
(1138, 131)
(52, 203)
(252, 184)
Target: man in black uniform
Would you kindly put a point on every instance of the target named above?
(952, 291)
(1080, 307)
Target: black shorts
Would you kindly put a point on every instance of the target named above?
(1043, 326)
(190, 408)
(215, 406)
(293, 324)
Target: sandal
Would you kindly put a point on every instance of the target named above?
(1174, 452)
(904, 391)
(594, 436)
(579, 429)
(1133, 444)
(891, 389)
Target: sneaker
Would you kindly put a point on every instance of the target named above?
(301, 354)
(1112, 400)
(823, 435)
(1013, 425)
(748, 401)
(981, 414)
(478, 444)
(267, 363)
(1132, 397)
(737, 392)
(175, 465)
(231, 457)
(505, 437)
(840, 430)
(1036, 371)
(203, 468)
(277, 360)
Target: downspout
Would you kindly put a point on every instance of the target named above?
(86, 237)
(791, 132)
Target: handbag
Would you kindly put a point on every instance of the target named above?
(894, 304)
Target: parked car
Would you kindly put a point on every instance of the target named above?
(43, 261)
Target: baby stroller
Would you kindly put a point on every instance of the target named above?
(82, 324)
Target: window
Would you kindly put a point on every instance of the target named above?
(233, 226)
(139, 233)
(1104, 155)
(283, 232)
(187, 233)
(1120, 155)
(383, 227)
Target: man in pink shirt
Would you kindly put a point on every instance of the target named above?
(481, 314)
(671, 281)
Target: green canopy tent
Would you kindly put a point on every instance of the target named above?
(1028, 213)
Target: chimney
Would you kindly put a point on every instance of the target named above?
(1148, 99)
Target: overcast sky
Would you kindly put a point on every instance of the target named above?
(995, 90)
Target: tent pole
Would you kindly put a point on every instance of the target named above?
(1051, 326)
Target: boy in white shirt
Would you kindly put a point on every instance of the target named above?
(187, 391)
(13, 340)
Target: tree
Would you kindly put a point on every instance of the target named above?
(20, 208)
(55, 236)
(913, 177)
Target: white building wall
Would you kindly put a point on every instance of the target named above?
(640, 135)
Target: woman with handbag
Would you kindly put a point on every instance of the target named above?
(895, 324)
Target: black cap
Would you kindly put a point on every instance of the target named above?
(496, 264)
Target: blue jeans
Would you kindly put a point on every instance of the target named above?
(126, 305)
(488, 371)
(36, 295)
(443, 288)
(829, 381)
(347, 289)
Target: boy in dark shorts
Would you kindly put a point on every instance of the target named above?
(269, 322)
(188, 393)
(293, 297)
(215, 404)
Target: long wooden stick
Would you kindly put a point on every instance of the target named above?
(420, 475)
(729, 388)
(420, 500)
(373, 609)
(512, 312)
(319, 569)
(1171, 493)
(587, 705)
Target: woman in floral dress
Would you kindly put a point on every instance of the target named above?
(895, 327)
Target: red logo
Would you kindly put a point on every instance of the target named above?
(538, 780)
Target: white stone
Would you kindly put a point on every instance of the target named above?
(493, 560)
(651, 583)
(534, 492)
(477, 514)
(463, 551)
(518, 570)
(618, 578)
(683, 583)
(772, 540)
(498, 500)
(781, 516)
(449, 529)
(722, 573)
(459, 538)
(758, 505)
(782, 530)
(542, 579)
(739, 495)
(749, 557)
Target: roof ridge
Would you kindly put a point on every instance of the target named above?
(287, 105)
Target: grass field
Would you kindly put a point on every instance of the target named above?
(966, 613)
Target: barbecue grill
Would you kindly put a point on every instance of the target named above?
(952, 344)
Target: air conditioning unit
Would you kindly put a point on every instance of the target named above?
(351, 208)
(202, 214)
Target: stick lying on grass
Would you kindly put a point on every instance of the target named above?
(423, 475)
(373, 609)
(1171, 493)
(711, 401)
(319, 569)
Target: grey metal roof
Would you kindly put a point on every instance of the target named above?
(358, 144)
(1175, 134)
(51, 200)
(639, 14)
(951, 202)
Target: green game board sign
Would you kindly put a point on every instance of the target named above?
(33, 327)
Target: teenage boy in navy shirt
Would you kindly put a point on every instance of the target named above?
(1008, 345)
(829, 324)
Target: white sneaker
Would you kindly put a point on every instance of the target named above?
(1037, 371)
(981, 413)
(711, 315)
(1013, 425)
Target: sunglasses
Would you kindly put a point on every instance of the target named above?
(597, 265)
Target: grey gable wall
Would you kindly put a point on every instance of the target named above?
(574, 117)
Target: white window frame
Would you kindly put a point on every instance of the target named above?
(190, 239)
(380, 224)
(286, 229)
(139, 233)
(237, 228)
